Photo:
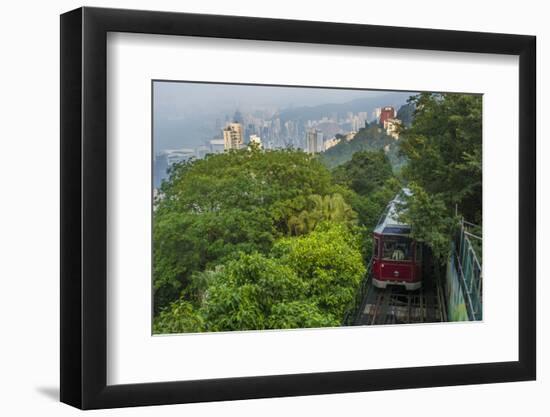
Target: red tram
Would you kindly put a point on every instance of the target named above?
(397, 258)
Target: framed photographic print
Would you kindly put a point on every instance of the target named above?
(257, 207)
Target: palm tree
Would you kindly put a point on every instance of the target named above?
(331, 208)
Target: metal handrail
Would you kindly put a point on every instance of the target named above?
(469, 223)
(472, 235)
(470, 271)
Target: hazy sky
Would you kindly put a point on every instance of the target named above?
(176, 99)
(184, 112)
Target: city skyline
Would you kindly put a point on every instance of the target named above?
(191, 119)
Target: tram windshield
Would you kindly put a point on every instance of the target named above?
(396, 248)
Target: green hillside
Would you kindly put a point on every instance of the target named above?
(371, 138)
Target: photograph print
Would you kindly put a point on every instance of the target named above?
(293, 207)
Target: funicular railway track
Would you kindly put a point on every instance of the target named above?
(413, 290)
(396, 305)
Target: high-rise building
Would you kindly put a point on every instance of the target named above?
(233, 136)
(314, 141)
(387, 113)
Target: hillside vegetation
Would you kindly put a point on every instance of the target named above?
(443, 150)
(371, 138)
(254, 239)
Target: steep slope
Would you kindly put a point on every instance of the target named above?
(371, 138)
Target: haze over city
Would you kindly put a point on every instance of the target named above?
(189, 118)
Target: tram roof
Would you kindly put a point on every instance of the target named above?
(389, 223)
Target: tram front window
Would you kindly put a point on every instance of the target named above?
(396, 248)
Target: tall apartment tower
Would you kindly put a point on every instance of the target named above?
(233, 136)
(314, 141)
(387, 113)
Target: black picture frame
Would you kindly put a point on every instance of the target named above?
(84, 207)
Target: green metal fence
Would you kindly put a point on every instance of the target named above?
(468, 266)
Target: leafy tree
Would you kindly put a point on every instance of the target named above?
(443, 148)
(431, 223)
(329, 261)
(300, 314)
(246, 289)
(406, 114)
(180, 317)
(213, 208)
(365, 172)
(186, 242)
(307, 281)
(318, 209)
(378, 200)
(367, 183)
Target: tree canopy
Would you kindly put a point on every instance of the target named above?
(365, 172)
(443, 148)
(212, 208)
(255, 239)
(307, 281)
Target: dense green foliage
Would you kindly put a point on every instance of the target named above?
(370, 185)
(331, 207)
(178, 317)
(443, 148)
(365, 172)
(307, 281)
(304, 282)
(255, 239)
(330, 263)
(213, 208)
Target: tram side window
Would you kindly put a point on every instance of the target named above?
(396, 248)
(375, 248)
